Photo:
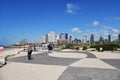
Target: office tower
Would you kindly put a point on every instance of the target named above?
(70, 39)
(119, 37)
(63, 39)
(63, 36)
(106, 40)
(77, 41)
(46, 38)
(51, 37)
(109, 38)
(101, 40)
(92, 38)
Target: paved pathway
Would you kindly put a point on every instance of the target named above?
(58, 66)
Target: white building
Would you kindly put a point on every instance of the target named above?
(52, 37)
(85, 39)
(57, 37)
(70, 39)
(43, 39)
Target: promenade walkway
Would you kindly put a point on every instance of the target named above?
(62, 65)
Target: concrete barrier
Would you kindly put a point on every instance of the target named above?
(5, 54)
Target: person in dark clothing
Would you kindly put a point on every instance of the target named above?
(29, 52)
(34, 47)
(50, 48)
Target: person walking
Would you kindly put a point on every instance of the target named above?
(49, 48)
(29, 52)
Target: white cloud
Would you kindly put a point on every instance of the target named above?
(117, 18)
(95, 32)
(104, 32)
(115, 35)
(115, 30)
(92, 32)
(95, 23)
(107, 27)
(76, 30)
(71, 8)
(112, 18)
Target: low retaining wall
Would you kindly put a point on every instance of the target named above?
(7, 53)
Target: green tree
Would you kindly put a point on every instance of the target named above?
(84, 47)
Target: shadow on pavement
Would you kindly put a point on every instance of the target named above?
(113, 62)
(74, 73)
(44, 58)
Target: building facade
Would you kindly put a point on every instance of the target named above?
(63, 36)
(109, 38)
(119, 37)
(51, 37)
(92, 38)
(70, 39)
(85, 39)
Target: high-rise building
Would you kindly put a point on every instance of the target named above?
(109, 38)
(70, 39)
(92, 38)
(119, 37)
(43, 39)
(51, 37)
(57, 37)
(63, 36)
(77, 41)
(101, 40)
(46, 37)
(106, 40)
(63, 39)
(85, 39)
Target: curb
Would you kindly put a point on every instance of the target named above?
(3, 59)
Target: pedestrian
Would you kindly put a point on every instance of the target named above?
(29, 52)
(49, 48)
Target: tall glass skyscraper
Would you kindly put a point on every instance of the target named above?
(119, 37)
(109, 38)
(63, 36)
(92, 38)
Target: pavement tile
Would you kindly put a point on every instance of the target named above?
(24, 71)
(92, 63)
(82, 73)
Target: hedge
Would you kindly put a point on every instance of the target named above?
(84, 47)
(106, 46)
(68, 46)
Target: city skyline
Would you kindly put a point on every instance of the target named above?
(52, 37)
(31, 19)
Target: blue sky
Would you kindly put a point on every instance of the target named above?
(31, 19)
